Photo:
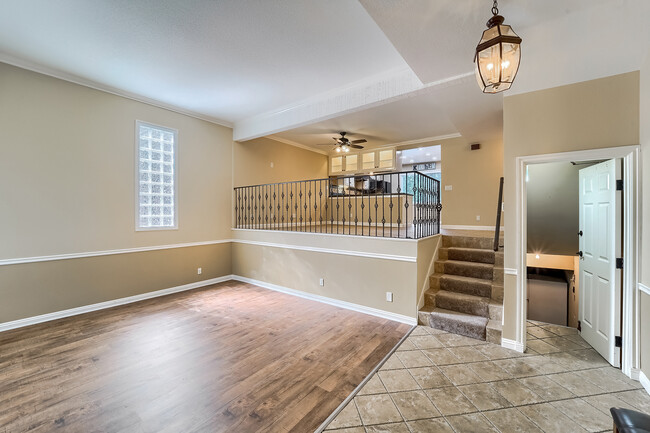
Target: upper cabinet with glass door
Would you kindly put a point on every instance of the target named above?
(382, 159)
(344, 164)
(363, 162)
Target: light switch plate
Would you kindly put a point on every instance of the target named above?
(448, 187)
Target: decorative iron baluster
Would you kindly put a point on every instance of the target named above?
(376, 208)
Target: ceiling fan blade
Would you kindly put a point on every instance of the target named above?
(356, 146)
(363, 140)
(326, 144)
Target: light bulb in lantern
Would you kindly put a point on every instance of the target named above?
(497, 55)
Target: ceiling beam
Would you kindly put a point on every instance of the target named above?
(368, 93)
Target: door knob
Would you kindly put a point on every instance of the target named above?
(579, 253)
(580, 233)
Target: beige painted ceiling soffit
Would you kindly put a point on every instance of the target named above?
(368, 93)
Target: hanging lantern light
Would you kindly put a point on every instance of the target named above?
(497, 55)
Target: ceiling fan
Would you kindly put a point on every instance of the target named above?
(343, 144)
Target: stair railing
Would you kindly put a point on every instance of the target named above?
(497, 229)
(396, 205)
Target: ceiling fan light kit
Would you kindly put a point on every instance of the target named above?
(497, 55)
(343, 144)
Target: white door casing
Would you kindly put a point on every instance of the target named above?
(600, 244)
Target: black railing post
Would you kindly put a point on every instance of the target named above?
(497, 229)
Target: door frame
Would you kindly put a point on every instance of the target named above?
(631, 192)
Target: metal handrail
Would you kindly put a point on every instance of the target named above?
(402, 204)
(497, 229)
(340, 177)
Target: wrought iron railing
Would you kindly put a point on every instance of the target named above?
(397, 205)
(497, 227)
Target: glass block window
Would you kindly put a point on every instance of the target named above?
(156, 171)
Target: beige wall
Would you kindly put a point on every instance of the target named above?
(67, 171)
(471, 173)
(356, 269)
(252, 163)
(427, 253)
(67, 182)
(33, 289)
(594, 114)
(359, 280)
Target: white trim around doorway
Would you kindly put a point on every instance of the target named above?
(631, 194)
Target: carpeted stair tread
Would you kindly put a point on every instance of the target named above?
(467, 285)
(493, 331)
(469, 242)
(463, 303)
(484, 271)
(458, 323)
(477, 255)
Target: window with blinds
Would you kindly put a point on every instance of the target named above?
(156, 173)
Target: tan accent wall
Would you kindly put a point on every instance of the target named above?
(67, 170)
(594, 114)
(474, 177)
(67, 185)
(252, 163)
(32, 289)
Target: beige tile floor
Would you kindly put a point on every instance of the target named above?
(441, 382)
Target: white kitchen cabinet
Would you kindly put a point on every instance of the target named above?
(363, 162)
(336, 164)
(382, 159)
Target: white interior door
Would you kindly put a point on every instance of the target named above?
(600, 244)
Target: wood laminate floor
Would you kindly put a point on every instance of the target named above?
(231, 357)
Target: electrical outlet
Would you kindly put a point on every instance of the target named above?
(448, 187)
(198, 271)
(478, 217)
(321, 281)
(389, 296)
(271, 165)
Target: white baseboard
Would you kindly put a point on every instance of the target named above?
(644, 381)
(634, 373)
(456, 227)
(512, 344)
(108, 304)
(335, 302)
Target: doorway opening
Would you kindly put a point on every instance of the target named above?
(574, 230)
(628, 320)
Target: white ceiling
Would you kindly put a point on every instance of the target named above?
(437, 113)
(226, 59)
(438, 38)
(388, 70)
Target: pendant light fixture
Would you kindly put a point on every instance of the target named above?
(497, 55)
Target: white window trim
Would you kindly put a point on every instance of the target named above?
(139, 123)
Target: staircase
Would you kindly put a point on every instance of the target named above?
(465, 294)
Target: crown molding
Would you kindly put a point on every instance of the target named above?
(423, 140)
(75, 79)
